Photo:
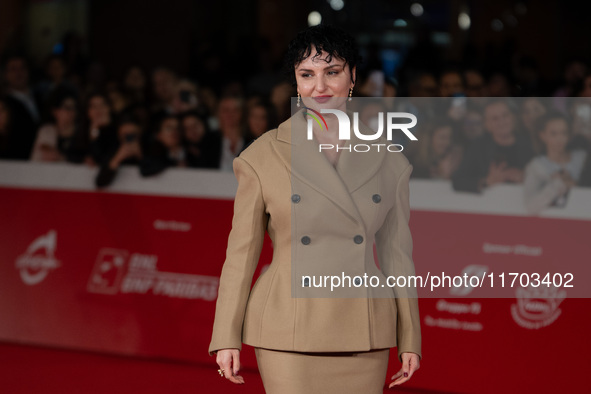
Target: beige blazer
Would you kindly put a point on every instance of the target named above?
(322, 220)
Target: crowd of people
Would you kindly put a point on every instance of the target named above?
(471, 131)
(155, 121)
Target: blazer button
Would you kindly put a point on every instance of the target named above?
(358, 239)
(376, 198)
(357, 281)
(295, 198)
(306, 240)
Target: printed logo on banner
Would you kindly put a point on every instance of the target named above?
(537, 307)
(108, 272)
(115, 273)
(39, 259)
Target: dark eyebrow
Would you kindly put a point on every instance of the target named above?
(325, 68)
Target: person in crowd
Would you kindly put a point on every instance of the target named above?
(55, 77)
(585, 179)
(451, 83)
(127, 150)
(164, 82)
(584, 86)
(550, 176)
(166, 149)
(437, 155)
(5, 130)
(281, 95)
(22, 104)
(390, 87)
(498, 156)
(99, 135)
(117, 97)
(574, 72)
(135, 85)
(185, 97)
(260, 117)
(532, 108)
(498, 85)
(198, 140)
(55, 140)
(475, 83)
(372, 84)
(422, 84)
(209, 98)
(579, 109)
(231, 138)
(96, 78)
(472, 125)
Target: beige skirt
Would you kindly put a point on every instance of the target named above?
(285, 372)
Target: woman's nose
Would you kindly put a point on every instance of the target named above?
(320, 84)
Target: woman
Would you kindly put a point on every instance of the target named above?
(335, 203)
(260, 118)
(99, 136)
(532, 108)
(549, 177)
(54, 140)
(166, 149)
(128, 150)
(438, 155)
(198, 141)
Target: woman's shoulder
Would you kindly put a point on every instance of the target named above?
(397, 162)
(539, 165)
(47, 133)
(259, 147)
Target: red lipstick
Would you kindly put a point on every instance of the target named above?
(322, 99)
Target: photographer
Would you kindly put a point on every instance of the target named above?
(166, 149)
(127, 151)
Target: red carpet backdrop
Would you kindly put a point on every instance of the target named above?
(135, 270)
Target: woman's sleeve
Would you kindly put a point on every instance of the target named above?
(539, 192)
(45, 136)
(242, 255)
(394, 247)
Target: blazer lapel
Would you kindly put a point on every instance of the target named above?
(304, 160)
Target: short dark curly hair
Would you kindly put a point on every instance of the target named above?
(332, 40)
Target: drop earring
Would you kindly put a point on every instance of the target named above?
(350, 95)
(298, 103)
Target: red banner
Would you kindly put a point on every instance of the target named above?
(136, 272)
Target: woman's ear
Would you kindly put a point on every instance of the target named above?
(354, 75)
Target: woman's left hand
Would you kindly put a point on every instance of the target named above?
(410, 363)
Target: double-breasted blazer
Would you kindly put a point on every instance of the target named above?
(322, 220)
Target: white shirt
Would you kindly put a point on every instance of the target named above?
(227, 155)
(28, 102)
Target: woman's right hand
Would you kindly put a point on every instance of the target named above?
(229, 361)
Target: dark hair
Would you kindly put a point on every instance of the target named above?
(100, 94)
(128, 118)
(542, 121)
(334, 41)
(7, 58)
(270, 110)
(59, 95)
(161, 121)
(580, 85)
(509, 103)
(57, 98)
(198, 115)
